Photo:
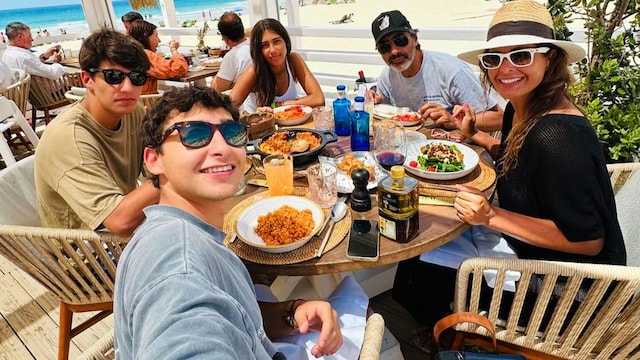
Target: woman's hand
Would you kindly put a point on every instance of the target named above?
(465, 119)
(472, 206)
(264, 109)
(174, 45)
(320, 316)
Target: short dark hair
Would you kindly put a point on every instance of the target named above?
(14, 28)
(180, 101)
(230, 25)
(131, 16)
(113, 46)
(140, 30)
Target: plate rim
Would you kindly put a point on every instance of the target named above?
(285, 247)
(440, 176)
(404, 123)
(298, 121)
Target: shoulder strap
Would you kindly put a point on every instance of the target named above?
(463, 317)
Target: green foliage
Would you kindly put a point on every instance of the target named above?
(607, 88)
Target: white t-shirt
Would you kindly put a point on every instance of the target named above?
(6, 76)
(442, 79)
(235, 62)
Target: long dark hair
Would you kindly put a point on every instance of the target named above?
(551, 93)
(265, 77)
(141, 30)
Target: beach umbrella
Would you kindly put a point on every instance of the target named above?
(141, 4)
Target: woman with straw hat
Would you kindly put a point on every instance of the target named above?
(556, 201)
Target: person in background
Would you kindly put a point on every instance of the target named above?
(238, 58)
(180, 292)
(128, 18)
(429, 82)
(89, 159)
(6, 76)
(272, 78)
(543, 212)
(146, 34)
(18, 54)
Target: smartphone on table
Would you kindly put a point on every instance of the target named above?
(364, 240)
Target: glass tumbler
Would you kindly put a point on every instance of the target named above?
(278, 169)
(323, 118)
(323, 185)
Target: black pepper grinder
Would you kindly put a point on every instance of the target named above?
(360, 198)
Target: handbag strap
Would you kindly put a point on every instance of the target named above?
(463, 317)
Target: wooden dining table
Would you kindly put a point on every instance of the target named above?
(438, 225)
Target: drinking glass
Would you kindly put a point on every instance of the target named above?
(323, 118)
(323, 185)
(278, 169)
(388, 138)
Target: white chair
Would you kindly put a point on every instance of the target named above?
(18, 187)
(10, 115)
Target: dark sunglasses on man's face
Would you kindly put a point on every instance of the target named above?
(115, 77)
(385, 46)
(197, 134)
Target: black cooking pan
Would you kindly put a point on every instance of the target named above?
(325, 137)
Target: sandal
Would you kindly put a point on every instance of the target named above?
(422, 338)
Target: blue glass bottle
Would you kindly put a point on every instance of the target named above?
(341, 115)
(359, 126)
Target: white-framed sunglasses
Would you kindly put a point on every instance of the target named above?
(519, 58)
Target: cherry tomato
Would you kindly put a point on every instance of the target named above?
(413, 164)
(431, 168)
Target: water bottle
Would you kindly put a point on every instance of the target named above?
(341, 115)
(359, 126)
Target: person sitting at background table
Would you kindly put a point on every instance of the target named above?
(545, 211)
(89, 159)
(146, 34)
(18, 54)
(180, 292)
(128, 18)
(238, 58)
(428, 82)
(272, 78)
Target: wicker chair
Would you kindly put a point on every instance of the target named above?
(605, 324)
(47, 94)
(78, 266)
(373, 334)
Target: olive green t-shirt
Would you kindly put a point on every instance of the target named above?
(83, 170)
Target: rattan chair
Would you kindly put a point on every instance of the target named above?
(605, 324)
(373, 334)
(47, 94)
(78, 266)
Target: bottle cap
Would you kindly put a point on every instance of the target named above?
(359, 99)
(397, 172)
(358, 105)
(341, 87)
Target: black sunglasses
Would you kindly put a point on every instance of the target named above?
(385, 46)
(197, 134)
(115, 77)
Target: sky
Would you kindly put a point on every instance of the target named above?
(5, 5)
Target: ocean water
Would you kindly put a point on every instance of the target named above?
(71, 17)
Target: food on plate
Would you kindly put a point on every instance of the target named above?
(439, 157)
(282, 142)
(350, 163)
(290, 113)
(407, 117)
(285, 225)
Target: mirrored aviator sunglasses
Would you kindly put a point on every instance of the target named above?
(519, 58)
(385, 46)
(197, 134)
(115, 77)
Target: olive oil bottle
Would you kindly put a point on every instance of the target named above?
(398, 201)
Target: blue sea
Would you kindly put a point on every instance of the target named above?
(72, 19)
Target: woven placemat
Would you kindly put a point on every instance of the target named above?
(482, 178)
(306, 252)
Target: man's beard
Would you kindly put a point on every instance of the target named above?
(404, 65)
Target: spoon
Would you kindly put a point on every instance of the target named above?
(338, 211)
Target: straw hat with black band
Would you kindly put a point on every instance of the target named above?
(522, 22)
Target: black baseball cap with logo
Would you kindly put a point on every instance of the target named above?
(388, 22)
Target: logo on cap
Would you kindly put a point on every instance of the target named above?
(384, 22)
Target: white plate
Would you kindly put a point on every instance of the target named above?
(296, 121)
(415, 135)
(248, 220)
(344, 182)
(470, 160)
(388, 112)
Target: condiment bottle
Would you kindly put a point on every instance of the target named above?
(360, 198)
(398, 201)
(359, 126)
(341, 115)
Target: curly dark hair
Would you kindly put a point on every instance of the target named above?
(265, 78)
(115, 47)
(140, 30)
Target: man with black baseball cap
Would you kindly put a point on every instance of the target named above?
(429, 82)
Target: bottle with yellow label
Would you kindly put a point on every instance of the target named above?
(398, 201)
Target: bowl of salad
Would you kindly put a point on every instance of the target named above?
(439, 159)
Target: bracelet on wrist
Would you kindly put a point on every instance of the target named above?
(288, 316)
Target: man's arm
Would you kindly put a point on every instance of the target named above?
(126, 217)
(34, 66)
(219, 84)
